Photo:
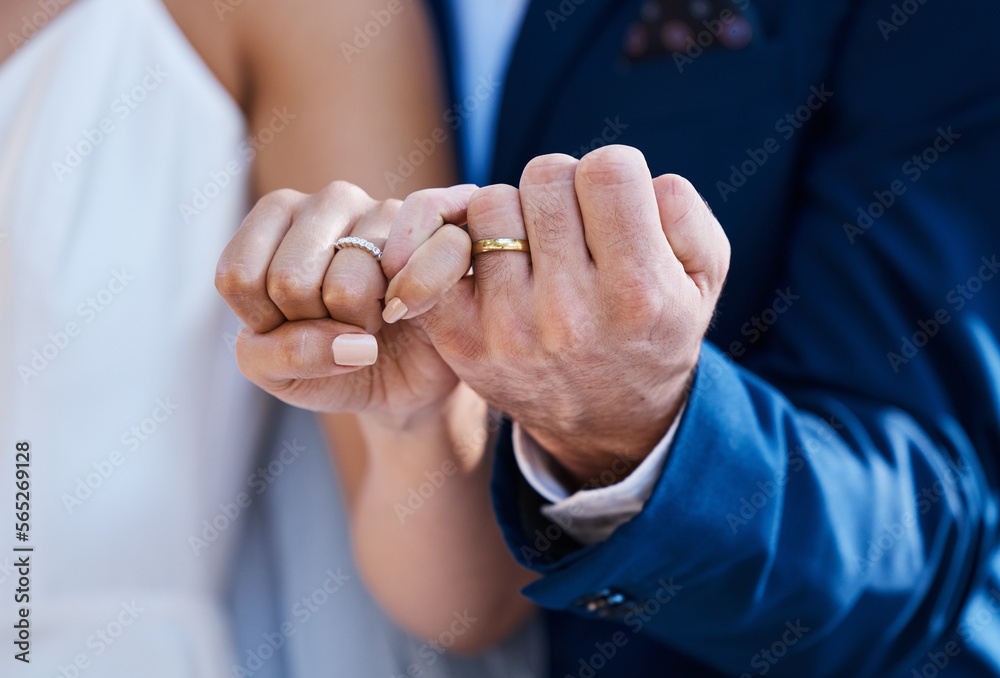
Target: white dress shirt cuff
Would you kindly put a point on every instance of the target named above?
(590, 515)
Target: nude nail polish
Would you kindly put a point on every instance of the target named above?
(355, 350)
(394, 310)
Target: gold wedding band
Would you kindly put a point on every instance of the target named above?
(500, 245)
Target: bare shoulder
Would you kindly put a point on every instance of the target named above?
(358, 81)
(347, 40)
(246, 40)
(344, 27)
(361, 78)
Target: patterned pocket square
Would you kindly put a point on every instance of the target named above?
(687, 27)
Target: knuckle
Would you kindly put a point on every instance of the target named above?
(568, 332)
(235, 279)
(274, 206)
(287, 286)
(282, 201)
(390, 207)
(413, 212)
(424, 199)
(341, 191)
(639, 303)
(454, 241)
(345, 295)
(544, 169)
(490, 203)
(613, 165)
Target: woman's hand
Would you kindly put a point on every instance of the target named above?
(316, 338)
(314, 334)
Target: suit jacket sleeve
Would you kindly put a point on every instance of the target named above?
(833, 494)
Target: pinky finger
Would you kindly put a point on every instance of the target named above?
(431, 272)
(694, 234)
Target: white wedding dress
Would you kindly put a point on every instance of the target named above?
(123, 173)
(117, 366)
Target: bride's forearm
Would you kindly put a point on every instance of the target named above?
(423, 527)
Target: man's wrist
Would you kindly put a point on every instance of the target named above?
(590, 514)
(592, 459)
(584, 469)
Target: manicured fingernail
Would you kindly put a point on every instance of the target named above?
(394, 310)
(354, 350)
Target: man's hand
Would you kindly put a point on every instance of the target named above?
(314, 335)
(589, 341)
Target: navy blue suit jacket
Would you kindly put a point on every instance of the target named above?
(829, 506)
